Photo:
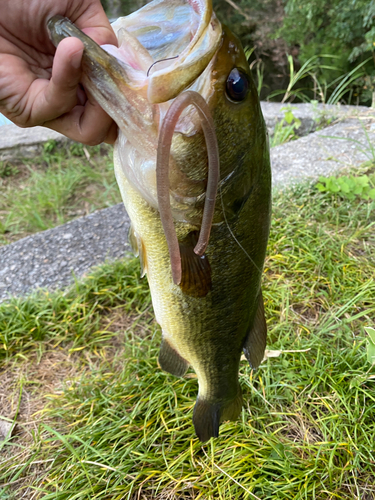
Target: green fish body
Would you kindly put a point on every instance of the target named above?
(216, 312)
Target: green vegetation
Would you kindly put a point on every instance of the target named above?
(74, 317)
(370, 345)
(50, 190)
(119, 428)
(342, 27)
(349, 187)
(285, 129)
(331, 43)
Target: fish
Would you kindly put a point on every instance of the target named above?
(193, 167)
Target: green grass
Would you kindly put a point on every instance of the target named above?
(122, 429)
(62, 184)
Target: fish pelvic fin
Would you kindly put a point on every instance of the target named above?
(196, 270)
(170, 361)
(137, 246)
(256, 339)
(208, 415)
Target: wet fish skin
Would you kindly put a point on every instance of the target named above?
(217, 312)
(210, 332)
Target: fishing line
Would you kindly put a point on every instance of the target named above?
(235, 239)
(160, 60)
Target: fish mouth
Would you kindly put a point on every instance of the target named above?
(163, 49)
(180, 37)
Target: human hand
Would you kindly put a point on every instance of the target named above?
(39, 85)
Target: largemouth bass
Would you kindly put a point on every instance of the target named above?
(201, 234)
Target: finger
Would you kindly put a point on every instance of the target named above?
(88, 124)
(93, 21)
(60, 94)
(29, 100)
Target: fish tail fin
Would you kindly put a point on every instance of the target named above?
(208, 415)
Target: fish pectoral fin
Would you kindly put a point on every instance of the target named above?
(196, 270)
(137, 246)
(208, 415)
(132, 238)
(256, 339)
(170, 361)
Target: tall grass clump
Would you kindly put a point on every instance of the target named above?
(60, 185)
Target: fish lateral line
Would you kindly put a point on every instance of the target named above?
(168, 126)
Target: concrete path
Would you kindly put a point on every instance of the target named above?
(348, 143)
(51, 258)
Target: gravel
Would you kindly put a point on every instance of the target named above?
(52, 258)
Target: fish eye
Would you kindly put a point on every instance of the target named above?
(237, 85)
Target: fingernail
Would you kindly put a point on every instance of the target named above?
(76, 59)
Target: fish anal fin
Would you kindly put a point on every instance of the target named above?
(196, 270)
(256, 339)
(137, 246)
(170, 361)
(208, 415)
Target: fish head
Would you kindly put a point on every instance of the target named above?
(227, 86)
(165, 48)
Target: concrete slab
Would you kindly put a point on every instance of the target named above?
(346, 144)
(52, 258)
(18, 143)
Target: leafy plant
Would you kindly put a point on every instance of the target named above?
(326, 88)
(348, 186)
(285, 129)
(308, 68)
(49, 146)
(368, 376)
(257, 67)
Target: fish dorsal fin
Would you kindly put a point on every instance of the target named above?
(196, 270)
(256, 339)
(170, 361)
